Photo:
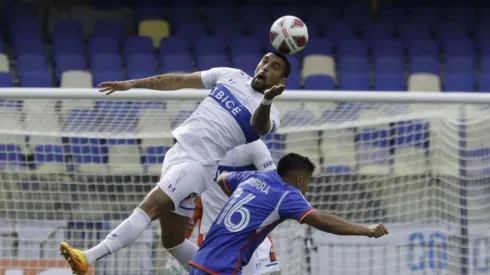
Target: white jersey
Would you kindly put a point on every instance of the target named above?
(247, 157)
(222, 121)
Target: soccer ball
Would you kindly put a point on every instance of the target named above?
(289, 34)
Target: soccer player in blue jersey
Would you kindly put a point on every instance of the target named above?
(259, 201)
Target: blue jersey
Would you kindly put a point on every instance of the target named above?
(260, 201)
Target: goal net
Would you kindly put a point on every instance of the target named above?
(73, 169)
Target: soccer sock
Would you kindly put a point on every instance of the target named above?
(125, 234)
(184, 253)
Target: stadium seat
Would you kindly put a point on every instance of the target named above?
(376, 31)
(35, 79)
(387, 47)
(228, 31)
(285, 9)
(209, 45)
(25, 27)
(2, 46)
(4, 63)
(5, 80)
(76, 79)
(414, 31)
(410, 142)
(138, 45)
(319, 82)
(459, 82)
(191, 32)
(245, 45)
(356, 15)
(485, 83)
(423, 48)
(354, 65)
(37, 123)
(208, 61)
(155, 121)
(389, 64)
(99, 77)
(424, 65)
(177, 63)
(106, 62)
(352, 47)
(11, 156)
(156, 29)
(429, 16)
(11, 119)
(318, 65)
(451, 31)
(70, 62)
(424, 82)
(459, 65)
(28, 45)
(153, 160)
(392, 15)
(79, 117)
(252, 11)
(89, 156)
(125, 160)
(320, 15)
(67, 45)
(354, 81)
(109, 29)
(485, 65)
(143, 11)
(29, 62)
(218, 14)
(390, 81)
(174, 45)
(184, 13)
(103, 45)
(49, 159)
(339, 153)
(462, 14)
(138, 63)
(67, 27)
(18, 10)
(321, 46)
(293, 82)
(246, 63)
(462, 48)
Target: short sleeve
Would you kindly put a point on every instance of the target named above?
(233, 179)
(261, 156)
(294, 206)
(275, 118)
(210, 77)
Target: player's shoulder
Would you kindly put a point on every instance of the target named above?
(226, 70)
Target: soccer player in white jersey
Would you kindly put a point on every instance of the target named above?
(248, 157)
(237, 111)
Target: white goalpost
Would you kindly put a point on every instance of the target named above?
(74, 163)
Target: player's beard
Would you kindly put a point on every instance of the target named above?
(258, 83)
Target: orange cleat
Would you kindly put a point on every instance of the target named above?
(75, 258)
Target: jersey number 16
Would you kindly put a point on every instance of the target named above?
(236, 206)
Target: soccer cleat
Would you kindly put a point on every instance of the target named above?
(75, 258)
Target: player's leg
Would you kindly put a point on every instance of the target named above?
(266, 259)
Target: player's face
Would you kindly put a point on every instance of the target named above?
(268, 73)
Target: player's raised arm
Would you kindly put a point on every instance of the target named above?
(335, 225)
(228, 182)
(166, 82)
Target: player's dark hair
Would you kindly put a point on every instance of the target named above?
(293, 161)
(287, 69)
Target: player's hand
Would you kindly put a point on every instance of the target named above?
(111, 86)
(376, 231)
(273, 92)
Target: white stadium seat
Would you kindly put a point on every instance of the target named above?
(318, 65)
(76, 79)
(4, 64)
(424, 82)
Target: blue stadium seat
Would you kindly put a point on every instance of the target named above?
(354, 81)
(80, 120)
(109, 29)
(253, 11)
(30, 62)
(414, 31)
(482, 36)
(390, 81)
(2, 46)
(392, 15)
(88, 151)
(26, 27)
(35, 79)
(357, 15)
(145, 11)
(354, 65)
(376, 31)
(28, 45)
(319, 82)
(184, 13)
(293, 82)
(485, 65)
(176, 63)
(298, 117)
(246, 63)
(106, 62)
(49, 153)
(174, 45)
(141, 64)
(459, 82)
(118, 120)
(319, 16)
(429, 16)
(462, 47)
(210, 45)
(99, 77)
(423, 48)
(411, 133)
(352, 47)
(155, 154)
(17, 10)
(459, 65)
(245, 45)
(67, 45)
(228, 31)
(339, 31)
(218, 14)
(373, 147)
(387, 47)
(208, 61)
(485, 82)
(5, 80)
(260, 32)
(451, 31)
(67, 62)
(389, 64)
(10, 155)
(424, 64)
(461, 14)
(67, 27)
(138, 45)
(191, 32)
(287, 9)
(319, 45)
(103, 45)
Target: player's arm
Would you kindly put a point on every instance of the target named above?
(222, 184)
(228, 182)
(261, 118)
(333, 224)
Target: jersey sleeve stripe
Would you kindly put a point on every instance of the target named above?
(302, 216)
(202, 268)
(226, 185)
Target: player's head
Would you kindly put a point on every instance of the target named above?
(273, 69)
(296, 170)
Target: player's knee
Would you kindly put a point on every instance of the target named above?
(156, 203)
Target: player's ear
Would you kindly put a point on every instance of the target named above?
(298, 182)
(284, 81)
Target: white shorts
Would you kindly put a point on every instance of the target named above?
(183, 179)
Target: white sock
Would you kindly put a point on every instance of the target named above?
(125, 234)
(184, 253)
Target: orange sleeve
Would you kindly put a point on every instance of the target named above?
(195, 219)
